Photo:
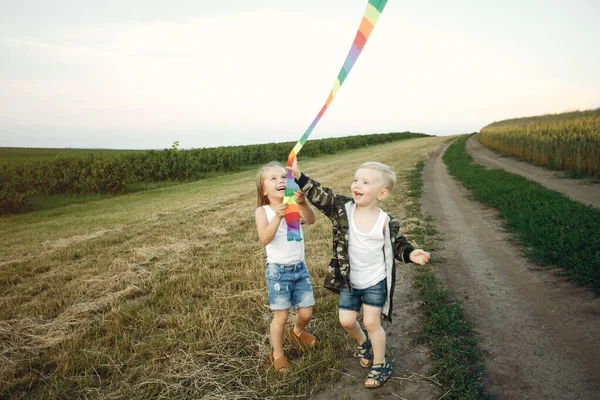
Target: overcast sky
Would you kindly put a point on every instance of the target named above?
(144, 73)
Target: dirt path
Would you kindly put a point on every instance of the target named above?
(576, 189)
(539, 333)
(411, 378)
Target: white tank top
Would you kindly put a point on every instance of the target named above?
(280, 251)
(365, 250)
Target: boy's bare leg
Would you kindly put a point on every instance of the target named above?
(280, 318)
(349, 321)
(372, 321)
(302, 319)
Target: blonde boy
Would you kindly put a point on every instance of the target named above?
(366, 241)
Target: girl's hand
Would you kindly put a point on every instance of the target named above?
(280, 210)
(296, 173)
(299, 197)
(419, 256)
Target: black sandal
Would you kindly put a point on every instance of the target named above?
(380, 373)
(364, 352)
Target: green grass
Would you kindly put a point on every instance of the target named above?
(453, 346)
(31, 153)
(551, 229)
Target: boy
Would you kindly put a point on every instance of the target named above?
(362, 269)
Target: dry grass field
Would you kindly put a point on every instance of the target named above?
(161, 294)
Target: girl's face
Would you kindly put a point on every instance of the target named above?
(274, 183)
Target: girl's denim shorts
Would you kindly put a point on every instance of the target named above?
(289, 285)
(374, 296)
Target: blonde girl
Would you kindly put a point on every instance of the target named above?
(288, 282)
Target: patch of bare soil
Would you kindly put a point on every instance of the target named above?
(411, 378)
(539, 333)
(576, 189)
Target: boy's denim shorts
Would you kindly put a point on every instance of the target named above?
(289, 285)
(373, 296)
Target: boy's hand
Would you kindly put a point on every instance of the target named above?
(296, 173)
(419, 256)
(299, 197)
(280, 210)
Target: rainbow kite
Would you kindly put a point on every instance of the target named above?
(369, 19)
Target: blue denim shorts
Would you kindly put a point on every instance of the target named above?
(289, 285)
(373, 296)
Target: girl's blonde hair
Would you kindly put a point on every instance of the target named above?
(388, 174)
(261, 199)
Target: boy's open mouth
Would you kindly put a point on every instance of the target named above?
(357, 195)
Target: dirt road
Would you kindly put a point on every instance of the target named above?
(576, 189)
(411, 378)
(540, 334)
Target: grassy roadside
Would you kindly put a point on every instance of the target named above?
(453, 346)
(551, 229)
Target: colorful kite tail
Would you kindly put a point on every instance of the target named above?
(369, 19)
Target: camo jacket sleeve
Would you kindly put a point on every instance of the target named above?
(321, 197)
(402, 248)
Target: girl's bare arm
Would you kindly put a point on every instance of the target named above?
(266, 231)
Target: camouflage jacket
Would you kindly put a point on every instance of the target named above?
(335, 207)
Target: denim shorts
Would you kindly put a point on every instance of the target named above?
(373, 296)
(289, 285)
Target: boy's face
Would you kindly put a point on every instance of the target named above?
(369, 187)
(274, 183)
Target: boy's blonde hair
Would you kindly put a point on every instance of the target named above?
(261, 199)
(388, 174)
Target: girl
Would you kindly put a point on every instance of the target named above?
(288, 282)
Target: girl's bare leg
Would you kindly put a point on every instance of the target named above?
(280, 318)
(302, 319)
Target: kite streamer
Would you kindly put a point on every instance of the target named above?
(369, 19)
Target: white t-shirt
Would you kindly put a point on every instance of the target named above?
(365, 250)
(280, 251)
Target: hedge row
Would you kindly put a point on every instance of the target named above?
(20, 180)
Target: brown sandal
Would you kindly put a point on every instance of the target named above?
(304, 340)
(281, 364)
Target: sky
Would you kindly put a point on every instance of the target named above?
(141, 74)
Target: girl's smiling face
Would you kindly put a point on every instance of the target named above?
(274, 183)
(368, 187)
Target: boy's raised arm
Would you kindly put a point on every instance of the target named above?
(322, 198)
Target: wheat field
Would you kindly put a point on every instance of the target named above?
(568, 141)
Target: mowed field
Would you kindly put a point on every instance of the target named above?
(161, 294)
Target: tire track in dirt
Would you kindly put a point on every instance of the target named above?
(539, 333)
(576, 189)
